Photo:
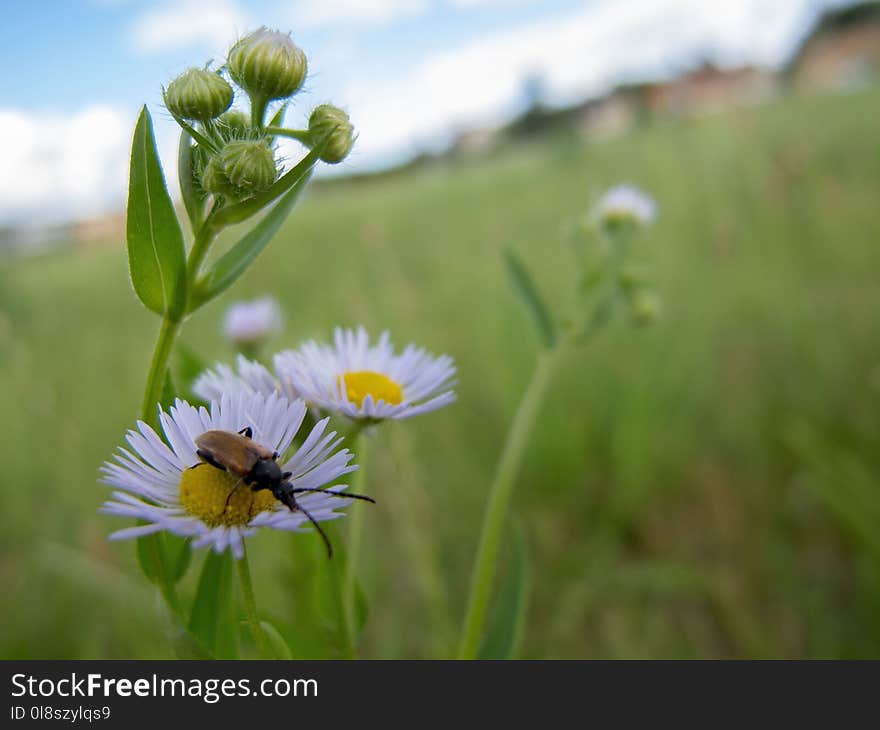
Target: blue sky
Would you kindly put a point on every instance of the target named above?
(410, 72)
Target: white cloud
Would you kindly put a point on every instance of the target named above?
(468, 4)
(58, 167)
(70, 167)
(203, 23)
(330, 13)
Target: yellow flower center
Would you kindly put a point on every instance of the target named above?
(212, 495)
(361, 383)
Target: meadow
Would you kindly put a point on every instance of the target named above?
(705, 487)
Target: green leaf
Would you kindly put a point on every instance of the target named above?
(278, 116)
(236, 260)
(149, 556)
(178, 556)
(505, 632)
(156, 253)
(154, 551)
(276, 641)
(213, 620)
(193, 199)
(528, 294)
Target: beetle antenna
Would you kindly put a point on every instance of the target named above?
(318, 528)
(343, 495)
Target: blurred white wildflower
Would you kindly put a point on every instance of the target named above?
(249, 323)
(626, 203)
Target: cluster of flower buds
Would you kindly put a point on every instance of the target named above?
(606, 241)
(620, 213)
(234, 152)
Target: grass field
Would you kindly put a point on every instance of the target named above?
(708, 487)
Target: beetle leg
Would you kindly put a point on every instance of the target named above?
(229, 496)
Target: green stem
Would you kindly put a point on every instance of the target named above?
(301, 135)
(158, 368)
(153, 396)
(499, 497)
(170, 327)
(201, 243)
(250, 605)
(150, 414)
(258, 111)
(355, 535)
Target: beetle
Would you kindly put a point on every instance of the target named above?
(256, 466)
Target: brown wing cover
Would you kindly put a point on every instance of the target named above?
(237, 453)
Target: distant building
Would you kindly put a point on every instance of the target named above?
(612, 115)
(475, 142)
(710, 90)
(842, 51)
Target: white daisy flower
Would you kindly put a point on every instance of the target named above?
(246, 324)
(168, 486)
(366, 382)
(623, 203)
(248, 376)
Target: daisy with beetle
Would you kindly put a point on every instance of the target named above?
(217, 482)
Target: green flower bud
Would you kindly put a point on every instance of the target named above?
(241, 169)
(216, 181)
(249, 165)
(198, 94)
(645, 306)
(267, 65)
(325, 120)
(234, 125)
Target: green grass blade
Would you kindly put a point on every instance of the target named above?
(213, 618)
(156, 253)
(276, 641)
(505, 633)
(530, 296)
